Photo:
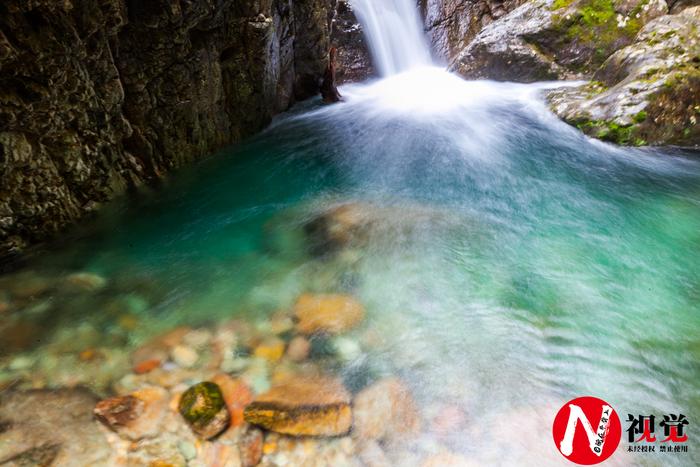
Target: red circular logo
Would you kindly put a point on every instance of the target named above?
(587, 430)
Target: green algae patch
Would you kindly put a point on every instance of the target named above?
(204, 408)
(587, 32)
(559, 4)
(612, 132)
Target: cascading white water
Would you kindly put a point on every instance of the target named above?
(394, 33)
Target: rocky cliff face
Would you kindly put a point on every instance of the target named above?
(643, 57)
(452, 24)
(555, 39)
(354, 62)
(100, 95)
(645, 93)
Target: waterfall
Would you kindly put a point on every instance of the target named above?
(394, 32)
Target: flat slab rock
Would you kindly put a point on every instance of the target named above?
(309, 406)
(44, 427)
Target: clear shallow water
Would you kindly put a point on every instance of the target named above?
(520, 264)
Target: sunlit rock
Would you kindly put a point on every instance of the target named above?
(645, 93)
(554, 39)
(237, 395)
(331, 314)
(271, 349)
(303, 407)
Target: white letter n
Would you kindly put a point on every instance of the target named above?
(575, 415)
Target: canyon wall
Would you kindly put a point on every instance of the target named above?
(97, 96)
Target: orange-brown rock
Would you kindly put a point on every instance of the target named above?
(251, 447)
(384, 410)
(271, 349)
(303, 406)
(237, 396)
(327, 313)
(146, 366)
(298, 349)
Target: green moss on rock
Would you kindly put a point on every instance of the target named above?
(612, 132)
(587, 32)
(204, 409)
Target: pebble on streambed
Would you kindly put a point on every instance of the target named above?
(204, 409)
(263, 396)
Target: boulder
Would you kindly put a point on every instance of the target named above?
(327, 313)
(645, 93)
(452, 24)
(303, 406)
(554, 39)
(204, 408)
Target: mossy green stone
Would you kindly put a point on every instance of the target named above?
(204, 408)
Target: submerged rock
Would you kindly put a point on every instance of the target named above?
(84, 282)
(184, 356)
(44, 427)
(385, 410)
(237, 395)
(646, 93)
(251, 447)
(298, 349)
(271, 349)
(135, 416)
(204, 408)
(330, 314)
(303, 406)
(157, 350)
(338, 227)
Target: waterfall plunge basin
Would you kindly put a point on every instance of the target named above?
(512, 264)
